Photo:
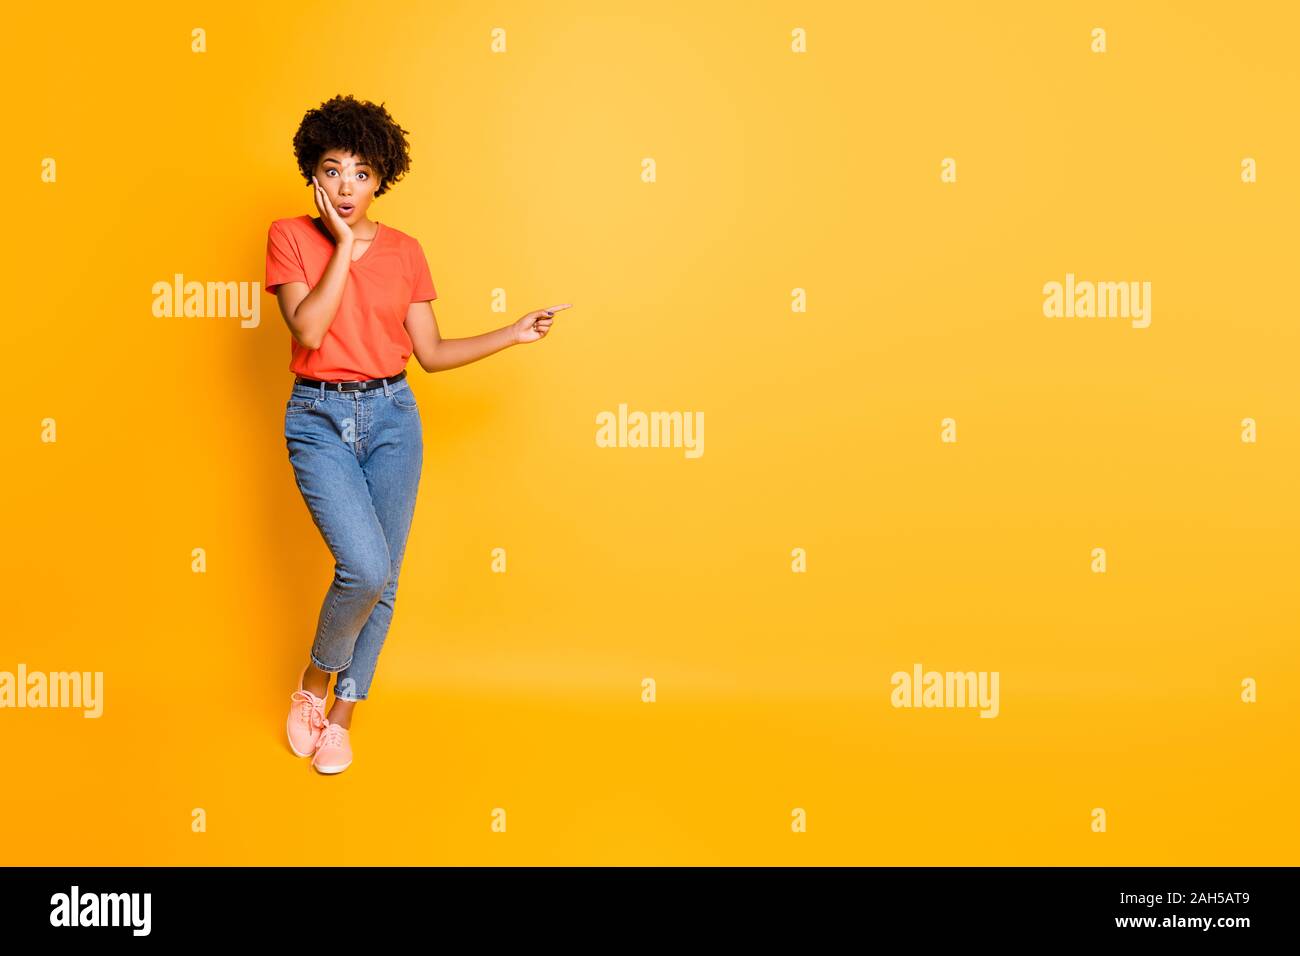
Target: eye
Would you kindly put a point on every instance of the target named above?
(362, 175)
(330, 170)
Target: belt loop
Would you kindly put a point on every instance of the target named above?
(322, 390)
(387, 393)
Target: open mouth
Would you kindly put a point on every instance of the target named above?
(345, 208)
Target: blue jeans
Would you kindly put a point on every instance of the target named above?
(357, 458)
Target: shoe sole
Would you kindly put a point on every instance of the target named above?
(332, 769)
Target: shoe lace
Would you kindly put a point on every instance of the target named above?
(311, 709)
(333, 734)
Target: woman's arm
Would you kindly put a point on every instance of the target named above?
(434, 353)
(309, 313)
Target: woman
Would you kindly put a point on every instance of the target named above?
(356, 296)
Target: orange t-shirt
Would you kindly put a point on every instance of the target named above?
(367, 338)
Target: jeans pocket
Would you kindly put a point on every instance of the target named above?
(404, 398)
(298, 404)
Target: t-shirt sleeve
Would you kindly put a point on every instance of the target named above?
(283, 263)
(423, 289)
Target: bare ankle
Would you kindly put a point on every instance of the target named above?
(341, 713)
(316, 681)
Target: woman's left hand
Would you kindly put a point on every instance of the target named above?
(535, 325)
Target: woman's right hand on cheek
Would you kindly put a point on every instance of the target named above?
(333, 221)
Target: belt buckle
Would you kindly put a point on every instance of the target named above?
(360, 386)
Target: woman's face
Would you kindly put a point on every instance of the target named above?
(348, 181)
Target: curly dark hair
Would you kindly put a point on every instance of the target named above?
(360, 127)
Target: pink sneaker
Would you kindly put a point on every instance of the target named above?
(333, 749)
(306, 720)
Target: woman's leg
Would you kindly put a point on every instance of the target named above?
(337, 493)
(393, 460)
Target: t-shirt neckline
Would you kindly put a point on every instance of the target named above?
(320, 228)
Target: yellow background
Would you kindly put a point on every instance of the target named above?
(776, 171)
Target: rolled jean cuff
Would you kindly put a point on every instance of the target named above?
(326, 667)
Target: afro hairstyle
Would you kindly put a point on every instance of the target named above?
(359, 127)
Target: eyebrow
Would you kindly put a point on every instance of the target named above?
(331, 159)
